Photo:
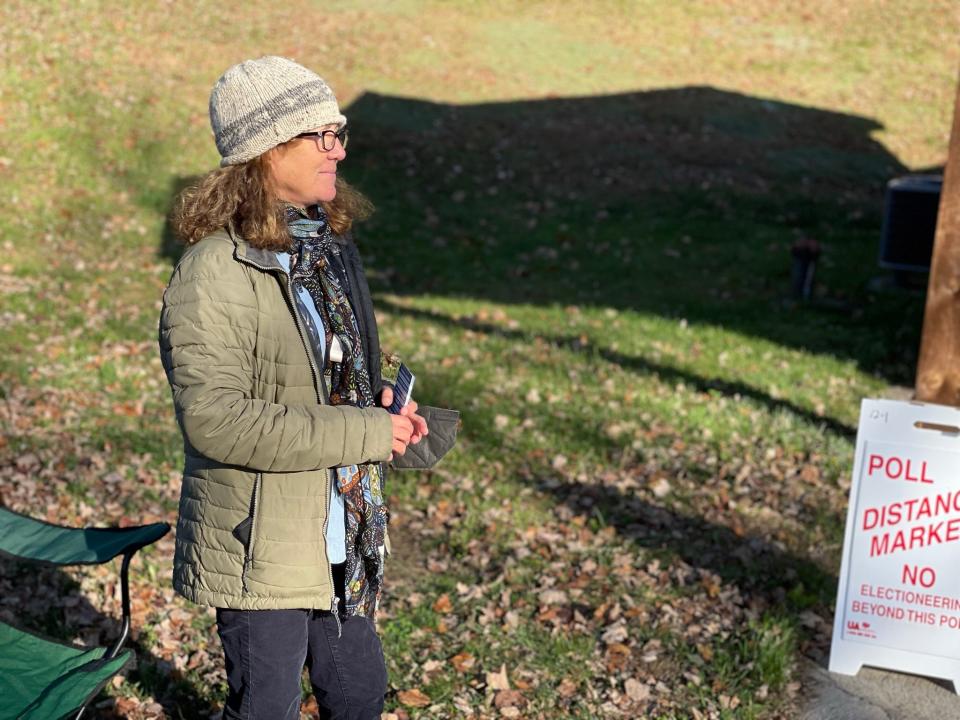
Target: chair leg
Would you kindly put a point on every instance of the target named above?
(125, 599)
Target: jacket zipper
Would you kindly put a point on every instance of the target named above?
(326, 521)
(324, 399)
(248, 557)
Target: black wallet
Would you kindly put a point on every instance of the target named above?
(443, 425)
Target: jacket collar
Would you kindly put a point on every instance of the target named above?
(267, 259)
(259, 258)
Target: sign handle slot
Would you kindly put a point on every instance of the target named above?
(939, 427)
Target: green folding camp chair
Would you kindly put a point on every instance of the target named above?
(41, 679)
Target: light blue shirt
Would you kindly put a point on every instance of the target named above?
(336, 529)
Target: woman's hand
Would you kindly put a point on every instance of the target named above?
(402, 432)
(409, 411)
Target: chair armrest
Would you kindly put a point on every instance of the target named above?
(35, 540)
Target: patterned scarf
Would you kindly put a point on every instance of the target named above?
(316, 266)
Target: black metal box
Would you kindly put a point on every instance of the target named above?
(910, 222)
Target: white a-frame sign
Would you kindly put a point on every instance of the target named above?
(898, 601)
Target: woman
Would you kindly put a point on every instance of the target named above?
(269, 342)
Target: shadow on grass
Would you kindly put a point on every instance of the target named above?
(680, 202)
(634, 364)
(47, 601)
(766, 574)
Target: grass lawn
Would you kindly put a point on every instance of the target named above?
(585, 215)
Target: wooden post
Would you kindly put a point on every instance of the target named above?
(938, 367)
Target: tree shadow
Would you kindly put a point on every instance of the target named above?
(733, 389)
(769, 577)
(757, 566)
(48, 601)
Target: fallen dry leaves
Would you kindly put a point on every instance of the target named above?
(414, 698)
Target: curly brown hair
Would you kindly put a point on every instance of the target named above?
(241, 196)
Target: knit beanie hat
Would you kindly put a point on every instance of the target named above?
(259, 104)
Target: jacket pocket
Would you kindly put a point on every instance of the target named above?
(246, 530)
(242, 531)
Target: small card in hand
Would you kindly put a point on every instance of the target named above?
(402, 390)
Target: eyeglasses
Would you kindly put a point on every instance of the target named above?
(327, 139)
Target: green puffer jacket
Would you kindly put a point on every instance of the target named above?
(258, 436)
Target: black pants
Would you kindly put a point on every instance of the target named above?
(265, 653)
